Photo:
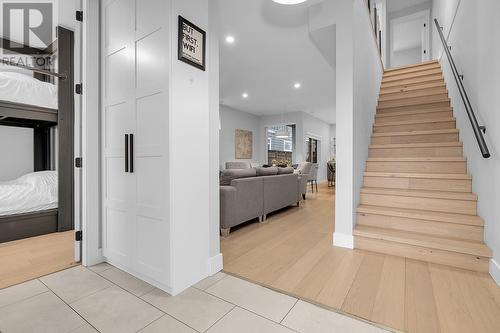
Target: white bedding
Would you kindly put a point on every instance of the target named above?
(33, 192)
(25, 89)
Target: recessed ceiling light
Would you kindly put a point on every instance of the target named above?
(289, 2)
(230, 39)
(297, 85)
(244, 95)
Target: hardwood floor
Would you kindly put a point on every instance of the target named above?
(292, 253)
(30, 258)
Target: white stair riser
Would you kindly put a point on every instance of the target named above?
(430, 204)
(460, 260)
(452, 185)
(432, 228)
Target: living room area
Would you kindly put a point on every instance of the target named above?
(277, 143)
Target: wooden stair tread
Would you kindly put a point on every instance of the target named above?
(433, 242)
(401, 95)
(420, 64)
(445, 131)
(423, 215)
(436, 84)
(418, 104)
(419, 175)
(413, 112)
(416, 145)
(420, 193)
(418, 159)
(405, 76)
(411, 122)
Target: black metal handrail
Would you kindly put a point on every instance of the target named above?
(465, 98)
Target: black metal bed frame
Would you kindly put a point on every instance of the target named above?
(41, 119)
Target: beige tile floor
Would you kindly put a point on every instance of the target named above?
(106, 299)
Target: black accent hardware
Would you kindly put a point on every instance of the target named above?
(79, 15)
(461, 76)
(78, 236)
(131, 153)
(483, 129)
(78, 89)
(468, 107)
(78, 162)
(126, 152)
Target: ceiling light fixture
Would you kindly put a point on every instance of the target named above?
(289, 2)
(244, 95)
(297, 85)
(230, 39)
(282, 132)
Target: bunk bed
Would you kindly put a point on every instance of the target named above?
(42, 105)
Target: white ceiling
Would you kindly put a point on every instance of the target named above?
(397, 5)
(272, 51)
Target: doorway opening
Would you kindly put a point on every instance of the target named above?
(277, 143)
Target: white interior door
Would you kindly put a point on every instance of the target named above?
(117, 119)
(135, 208)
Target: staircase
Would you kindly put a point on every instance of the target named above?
(417, 199)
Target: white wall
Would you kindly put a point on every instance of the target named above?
(231, 120)
(471, 26)
(406, 57)
(305, 126)
(360, 71)
(16, 149)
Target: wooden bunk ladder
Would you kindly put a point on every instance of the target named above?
(417, 199)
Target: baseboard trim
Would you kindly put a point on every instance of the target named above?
(495, 271)
(343, 240)
(215, 264)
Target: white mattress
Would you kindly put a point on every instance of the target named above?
(22, 88)
(33, 192)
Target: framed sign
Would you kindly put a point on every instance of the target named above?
(192, 42)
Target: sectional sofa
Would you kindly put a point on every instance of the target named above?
(251, 193)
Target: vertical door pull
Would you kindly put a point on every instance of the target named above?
(126, 153)
(131, 153)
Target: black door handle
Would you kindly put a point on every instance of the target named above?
(131, 153)
(126, 153)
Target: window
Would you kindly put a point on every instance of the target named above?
(312, 150)
(280, 144)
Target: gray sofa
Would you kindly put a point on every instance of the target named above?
(251, 193)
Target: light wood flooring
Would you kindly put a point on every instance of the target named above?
(30, 258)
(293, 253)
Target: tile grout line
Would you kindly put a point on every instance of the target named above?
(289, 311)
(244, 308)
(145, 301)
(218, 320)
(77, 313)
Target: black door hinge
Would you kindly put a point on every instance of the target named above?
(78, 89)
(79, 15)
(78, 236)
(78, 162)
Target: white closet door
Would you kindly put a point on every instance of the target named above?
(136, 62)
(151, 139)
(117, 122)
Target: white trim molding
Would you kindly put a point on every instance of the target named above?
(343, 240)
(215, 264)
(495, 271)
